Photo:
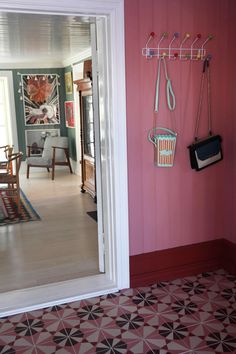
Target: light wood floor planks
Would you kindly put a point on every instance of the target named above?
(62, 246)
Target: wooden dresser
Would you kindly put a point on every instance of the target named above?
(84, 87)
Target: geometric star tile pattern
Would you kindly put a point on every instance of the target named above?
(194, 315)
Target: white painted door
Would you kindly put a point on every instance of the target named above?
(98, 79)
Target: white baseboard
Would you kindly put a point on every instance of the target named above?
(75, 167)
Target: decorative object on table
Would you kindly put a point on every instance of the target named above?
(207, 151)
(179, 51)
(9, 213)
(68, 83)
(93, 215)
(54, 153)
(69, 114)
(40, 96)
(36, 138)
(164, 144)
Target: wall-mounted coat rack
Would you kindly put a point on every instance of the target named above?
(182, 52)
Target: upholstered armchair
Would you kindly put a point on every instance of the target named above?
(54, 153)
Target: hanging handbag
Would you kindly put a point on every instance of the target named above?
(164, 143)
(207, 151)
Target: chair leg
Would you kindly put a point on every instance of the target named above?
(53, 162)
(68, 160)
(48, 169)
(18, 202)
(53, 170)
(28, 168)
(18, 199)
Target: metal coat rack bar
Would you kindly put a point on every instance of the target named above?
(181, 52)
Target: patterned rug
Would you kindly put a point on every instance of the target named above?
(9, 213)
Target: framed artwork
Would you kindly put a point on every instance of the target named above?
(78, 71)
(69, 114)
(40, 99)
(68, 83)
(36, 139)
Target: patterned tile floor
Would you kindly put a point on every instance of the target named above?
(191, 315)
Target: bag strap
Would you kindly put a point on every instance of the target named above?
(169, 90)
(205, 72)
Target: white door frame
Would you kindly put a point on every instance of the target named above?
(117, 275)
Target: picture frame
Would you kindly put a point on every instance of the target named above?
(69, 114)
(36, 138)
(40, 96)
(68, 83)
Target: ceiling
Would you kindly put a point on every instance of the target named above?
(34, 38)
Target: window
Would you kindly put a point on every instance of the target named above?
(88, 126)
(5, 125)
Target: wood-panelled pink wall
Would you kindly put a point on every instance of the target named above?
(170, 207)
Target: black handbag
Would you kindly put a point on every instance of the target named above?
(207, 151)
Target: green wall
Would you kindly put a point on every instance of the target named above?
(21, 128)
(71, 131)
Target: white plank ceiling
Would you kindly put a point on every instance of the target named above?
(30, 38)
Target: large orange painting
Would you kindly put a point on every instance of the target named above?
(41, 99)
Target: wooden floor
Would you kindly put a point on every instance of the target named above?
(62, 246)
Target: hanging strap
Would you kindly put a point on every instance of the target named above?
(205, 73)
(169, 90)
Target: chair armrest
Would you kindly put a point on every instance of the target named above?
(59, 147)
(65, 149)
(15, 156)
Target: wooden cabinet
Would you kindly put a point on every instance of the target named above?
(84, 87)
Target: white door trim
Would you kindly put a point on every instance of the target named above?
(117, 276)
(38, 297)
(99, 129)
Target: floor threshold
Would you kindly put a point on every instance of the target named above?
(43, 296)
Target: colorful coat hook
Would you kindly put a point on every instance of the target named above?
(181, 52)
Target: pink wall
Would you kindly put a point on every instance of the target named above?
(171, 207)
(231, 226)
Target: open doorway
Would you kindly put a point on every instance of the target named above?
(67, 219)
(115, 218)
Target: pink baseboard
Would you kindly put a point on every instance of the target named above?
(182, 261)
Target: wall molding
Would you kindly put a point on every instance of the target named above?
(182, 261)
(42, 64)
(86, 54)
